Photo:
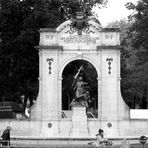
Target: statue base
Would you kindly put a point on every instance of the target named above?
(79, 122)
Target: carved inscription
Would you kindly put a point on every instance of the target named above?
(80, 39)
(109, 64)
(50, 36)
(49, 63)
(109, 37)
(70, 37)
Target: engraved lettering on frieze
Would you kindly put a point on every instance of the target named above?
(109, 37)
(49, 37)
(50, 63)
(72, 39)
(106, 36)
(109, 64)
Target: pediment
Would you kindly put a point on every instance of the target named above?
(71, 38)
(92, 27)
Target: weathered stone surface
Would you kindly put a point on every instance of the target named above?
(79, 122)
(99, 46)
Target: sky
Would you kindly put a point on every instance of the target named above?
(115, 10)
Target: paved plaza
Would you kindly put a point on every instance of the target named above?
(134, 143)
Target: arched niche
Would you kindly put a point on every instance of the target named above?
(70, 75)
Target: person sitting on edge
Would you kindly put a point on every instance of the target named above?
(6, 136)
(100, 138)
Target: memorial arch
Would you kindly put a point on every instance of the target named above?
(70, 43)
(78, 41)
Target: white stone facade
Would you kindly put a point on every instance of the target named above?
(100, 47)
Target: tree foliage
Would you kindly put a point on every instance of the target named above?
(20, 22)
(127, 60)
(19, 25)
(139, 35)
(70, 7)
(134, 55)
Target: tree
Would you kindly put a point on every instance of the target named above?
(20, 22)
(130, 72)
(19, 25)
(123, 26)
(134, 55)
(139, 36)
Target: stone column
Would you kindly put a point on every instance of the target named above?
(99, 98)
(36, 109)
(109, 84)
(47, 105)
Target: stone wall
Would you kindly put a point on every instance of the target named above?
(62, 128)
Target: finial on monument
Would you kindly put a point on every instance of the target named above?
(79, 22)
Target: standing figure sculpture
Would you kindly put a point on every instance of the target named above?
(82, 96)
(79, 87)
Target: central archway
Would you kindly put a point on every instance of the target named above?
(70, 75)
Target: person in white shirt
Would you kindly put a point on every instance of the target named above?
(100, 138)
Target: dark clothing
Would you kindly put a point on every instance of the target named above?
(101, 135)
(6, 137)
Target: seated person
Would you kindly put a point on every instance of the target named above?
(6, 136)
(101, 140)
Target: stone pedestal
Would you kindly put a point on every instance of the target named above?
(49, 129)
(79, 122)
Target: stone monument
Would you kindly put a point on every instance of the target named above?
(80, 39)
(85, 40)
(79, 106)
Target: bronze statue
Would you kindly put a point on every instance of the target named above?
(82, 96)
